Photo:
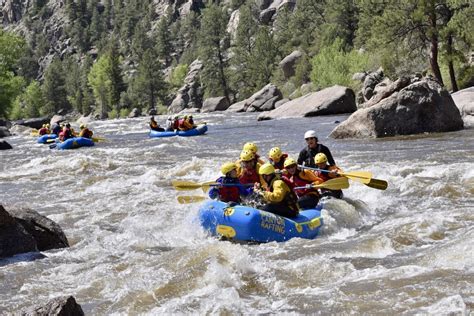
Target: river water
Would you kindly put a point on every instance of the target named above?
(136, 250)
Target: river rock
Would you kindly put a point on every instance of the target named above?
(370, 81)
(56, 119)
(60, 306)
(14, 239)
(215, 104)
(423, 106)
(288, 63)
(24, 230)
(33, 122)
(262, 100)
(464, 100)
(385, 90)
(5, 123)
(4, 132)
(47, 233)
(190, 95)
(333, 100)
(4, 145)
(135, 112)
(281, 102)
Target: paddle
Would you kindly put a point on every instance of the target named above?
(51, 140)
(332, 184)
(186, 199)
(359, 176)
(99, 139)
(364, 177)
(190, 185)
(53, 146)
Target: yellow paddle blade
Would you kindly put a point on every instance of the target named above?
(334, 184)
(190, 185)
(359, 176)
(377, 184)
(98, 139)
(184, 199)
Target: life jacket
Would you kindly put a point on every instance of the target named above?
(43, 131)
(56, 129)
(325, 176)
(297, 181)
(153, 124)
(290, 200)
(176, 124)
(184, 125)
(85, 132)
(67, 133)
(249, 176)
(229, 193)
(61, 136)
(280, 163)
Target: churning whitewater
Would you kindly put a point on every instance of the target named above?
(136, 250)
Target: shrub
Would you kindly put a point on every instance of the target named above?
(113, 114)
(124, 112)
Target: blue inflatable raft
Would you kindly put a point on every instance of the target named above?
(245, 223)
(199, 130)
(44, 138)
(75, 142)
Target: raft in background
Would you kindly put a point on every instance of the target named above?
(199, 130)
(44, 138)
(243, 223)
(75, 142)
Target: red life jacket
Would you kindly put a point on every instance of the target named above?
(280, 163)
(176, 124)
(249, 176)
(229, 194)
(43, 131)
(323, 175)
(298, 182)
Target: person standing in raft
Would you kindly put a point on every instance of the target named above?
(169, 124)
(277, 158)
(248, 171)
(230, 189)
(321, 162)
(280, 198)
(85, 132)
(307, 198)
(154, 125)
(306, 156)
(56, 128)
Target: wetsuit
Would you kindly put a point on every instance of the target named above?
(307, 155)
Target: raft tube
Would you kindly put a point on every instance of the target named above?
(243, 223)
(199, 130)
(75, 142)
(44, 138)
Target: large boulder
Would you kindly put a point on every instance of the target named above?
(333, 100)
(215, 104)
(135, 112)
(190, 95)
(58, 306)
(5, 123)
(370, 81)
(4, 145)
(464, 100)
(33, 122)
(14, 239)
(423, 106)
(288, 63)
(56, 119)
(262, 100)
(24, 230)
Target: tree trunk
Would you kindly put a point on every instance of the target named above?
(452, 75)
(222, 74)
(434, 47)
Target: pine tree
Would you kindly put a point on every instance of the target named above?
(99, 81)
(262, 60)
(115, 74)
(213, 43)
(54, 89)
(163, 39)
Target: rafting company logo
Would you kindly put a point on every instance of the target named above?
(272, 222)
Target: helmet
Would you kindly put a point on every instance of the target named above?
(310, 134)
(185, 117)
(82, 126)
(251, 147)
(47, 125)
(275, 153)
(247, 155)
(320, 158)
(44, 125)
(289, 162)
(68, 125)
(266, 169)
(170, 118)
(228, 167)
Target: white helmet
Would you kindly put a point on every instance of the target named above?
(310, 134)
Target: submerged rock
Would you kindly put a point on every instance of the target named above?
(464, 100)
(65, 305)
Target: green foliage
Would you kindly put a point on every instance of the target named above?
(213, 43)
(32, 100)
(124, 112)
(101, 84)
(178, 75)
(262, 59)
(302, 71)
(54, 89)
(16, 111)
(114, 114)
(163, 39)
(334, 66)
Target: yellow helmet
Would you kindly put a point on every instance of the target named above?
(266, 169)
(275, 153)
(250, 147)
(247, 155)
(320, 158)
(289, 162)
(47, 125)
(228, 167)
(82, 126)
(44, 125)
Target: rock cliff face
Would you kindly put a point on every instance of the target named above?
(423, 106)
